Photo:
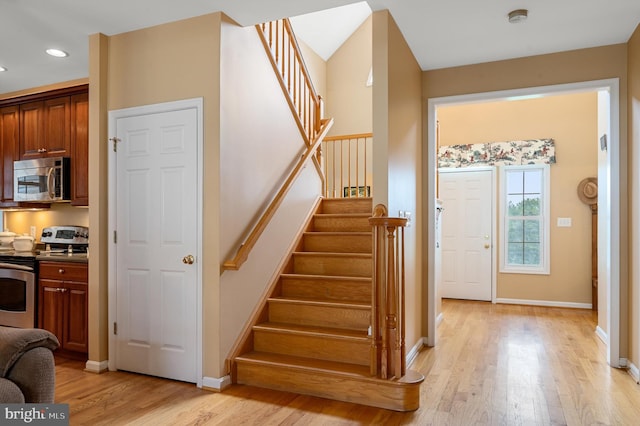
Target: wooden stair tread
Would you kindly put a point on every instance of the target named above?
(332, 254)
(354, 371)
(296, 362)
(321, 303)
(312, 330)
(339, 215)
(339, 233)
(326, 277)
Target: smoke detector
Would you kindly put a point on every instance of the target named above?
(519, 15)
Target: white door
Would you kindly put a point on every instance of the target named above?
(466, 239)
(156, 232)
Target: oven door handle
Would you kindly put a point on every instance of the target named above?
(4, 265)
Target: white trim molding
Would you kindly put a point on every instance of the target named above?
(216, 384)
(415, 350)
(602, 335)
(96, 366)
(634, 372)
(548, 303)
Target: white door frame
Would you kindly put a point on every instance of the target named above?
(611, 210)
(114, 115)
(494, 219)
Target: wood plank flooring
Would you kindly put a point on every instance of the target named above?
(494, 365)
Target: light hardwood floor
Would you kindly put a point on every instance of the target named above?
(494, 365)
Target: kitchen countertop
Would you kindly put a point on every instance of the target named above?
(63, 257)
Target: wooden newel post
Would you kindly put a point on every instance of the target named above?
(388, 303)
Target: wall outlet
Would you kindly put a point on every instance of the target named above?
(564, 222)
(32, 231)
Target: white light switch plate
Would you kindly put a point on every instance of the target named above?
(564, 222)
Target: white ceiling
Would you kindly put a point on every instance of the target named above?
(440, 33)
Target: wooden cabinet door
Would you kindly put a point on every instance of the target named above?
(9, 148)
(31, 130)
(80, 150)
(75, 336)
(57, 128)
(50, 307)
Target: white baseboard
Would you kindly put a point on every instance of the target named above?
(413, 353)
(602, 335)
(548, 303)
(216, 384)
(96, 367)
(634, 372)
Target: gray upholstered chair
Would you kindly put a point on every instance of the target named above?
(27, 365)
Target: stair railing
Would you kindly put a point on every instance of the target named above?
(245, 248)
(388, 357)
(347, 165)
(286, 59)
(279, 39)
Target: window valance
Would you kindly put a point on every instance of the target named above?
(511, 153)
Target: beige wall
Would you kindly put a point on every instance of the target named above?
(397, 126)
(259, 146)
(168, 62)
(571, 120)
(317, 68)
(59, 214)
(634, 191)
(349, 100)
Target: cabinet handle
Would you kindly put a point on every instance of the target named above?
(63, 290)
(61, 271)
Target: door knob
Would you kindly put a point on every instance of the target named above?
(487, 246)
(188, 260)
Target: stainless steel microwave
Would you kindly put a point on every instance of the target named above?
(45, 180)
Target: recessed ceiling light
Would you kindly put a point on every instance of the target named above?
(57, 53)
(2, 69)
(519, 15)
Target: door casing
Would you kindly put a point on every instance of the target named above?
(114, 115)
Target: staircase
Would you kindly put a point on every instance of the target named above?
(312, 337)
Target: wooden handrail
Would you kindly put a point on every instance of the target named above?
(283, 52)
(245, 248)
(388, 357)
(346, 137)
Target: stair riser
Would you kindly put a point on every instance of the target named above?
(388, 395)
(357, 205)
(332, 265)
(316, 347)
(338, 243)
(320, 316)
(341, 224)
(343, 290)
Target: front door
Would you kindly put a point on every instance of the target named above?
(466, 239)
(156, 244)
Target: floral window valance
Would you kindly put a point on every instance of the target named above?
(534, 151)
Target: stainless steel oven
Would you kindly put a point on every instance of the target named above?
(17, 292)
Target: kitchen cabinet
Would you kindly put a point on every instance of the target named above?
(80, 149)
(45, 128)
(62, 304)
(47, 124)
(9, 145)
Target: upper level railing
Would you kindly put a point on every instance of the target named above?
(287, 61)
(306, 106)
(348, 165)
(388, 353)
